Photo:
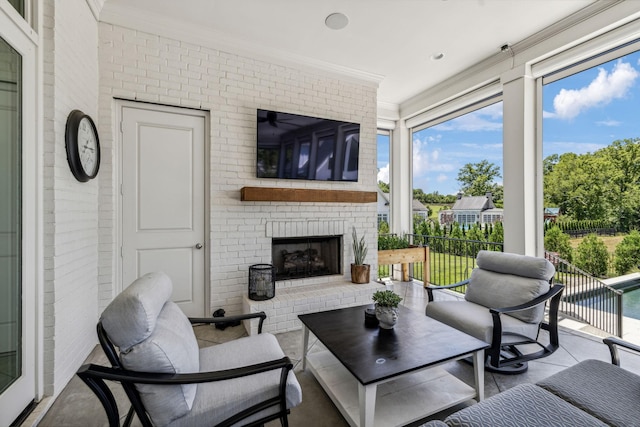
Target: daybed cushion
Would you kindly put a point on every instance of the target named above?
(524, 405)
(217, 401)
(158, 340)
(476, 320)
(604, 390)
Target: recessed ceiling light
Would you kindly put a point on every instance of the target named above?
(437, 56)
(336, 21)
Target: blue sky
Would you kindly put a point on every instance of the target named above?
(581, 113)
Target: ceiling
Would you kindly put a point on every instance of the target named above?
(386, 41)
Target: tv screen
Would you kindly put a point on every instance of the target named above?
(291, 146)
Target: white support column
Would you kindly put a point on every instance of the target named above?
(523, 208)
(401, 180)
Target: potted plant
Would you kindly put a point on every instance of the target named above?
(360, 272)
(386, 308)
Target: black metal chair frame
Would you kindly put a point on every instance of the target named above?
(613, 343)
(507, 358)
(95, 375)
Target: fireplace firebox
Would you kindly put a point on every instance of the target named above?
(301, 257)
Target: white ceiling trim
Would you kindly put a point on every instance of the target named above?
(95, 6)
(163, 26)
(564, 34)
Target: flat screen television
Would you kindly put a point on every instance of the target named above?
(291, 146)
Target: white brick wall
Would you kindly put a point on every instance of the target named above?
(145, 67)
(70, 207)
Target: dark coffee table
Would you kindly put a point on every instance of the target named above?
(389, 377)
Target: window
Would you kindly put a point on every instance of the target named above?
(591, 140)
(18, 5)
(384, 144)
(460, 153)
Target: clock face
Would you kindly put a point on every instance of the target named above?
(83, 146)
(87, 147)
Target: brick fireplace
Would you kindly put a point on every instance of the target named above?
(311, 256)
(324, 241)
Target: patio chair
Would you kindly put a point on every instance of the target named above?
(170, 381)
(504, 305)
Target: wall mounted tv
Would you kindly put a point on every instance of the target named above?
(291, 146)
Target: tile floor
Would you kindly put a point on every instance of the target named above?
(77, 406)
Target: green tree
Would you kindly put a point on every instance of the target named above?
(497, 234)
(599, 186)
(383, 227)
(592, 256)
(555, 240)
(627, 253)
(477, 179)
(383, 186)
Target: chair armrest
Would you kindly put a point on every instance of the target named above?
(431, 288)
(613, 343)
(94, 377)
(555, 290)
(136, 377)
(261, 315)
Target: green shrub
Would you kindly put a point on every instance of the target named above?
(391, 241)
(592, 256)
(627, 254)
(555, 240)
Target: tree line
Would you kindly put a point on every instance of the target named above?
(599, 186)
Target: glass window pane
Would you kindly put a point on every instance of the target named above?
(457, 167)
(18, 5)
(324, 157)
(384, 145)
(10, 216)
(591, 165)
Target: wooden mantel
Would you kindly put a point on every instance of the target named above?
(269, 194)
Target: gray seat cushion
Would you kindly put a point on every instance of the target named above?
(583, 384)
(476, 320)
(524, 405)
(217, 401)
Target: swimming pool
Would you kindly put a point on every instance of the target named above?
(631, 302)
(630, 296)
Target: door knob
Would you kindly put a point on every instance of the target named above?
(198, 245)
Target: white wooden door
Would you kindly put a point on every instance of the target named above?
(163, 200)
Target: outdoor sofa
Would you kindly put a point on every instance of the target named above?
(590, 393)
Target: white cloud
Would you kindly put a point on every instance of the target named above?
(488, 118)
(559, 147)
(383, 174)
(472, 122)
(425, 161)
(609, 123)
(606, 87)
(442, 178)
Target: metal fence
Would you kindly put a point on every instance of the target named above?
(585, 298)
(588, 299)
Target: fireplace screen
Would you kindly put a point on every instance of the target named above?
(306, 256)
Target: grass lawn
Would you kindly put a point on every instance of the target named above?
(435, 209)
(610, 241)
